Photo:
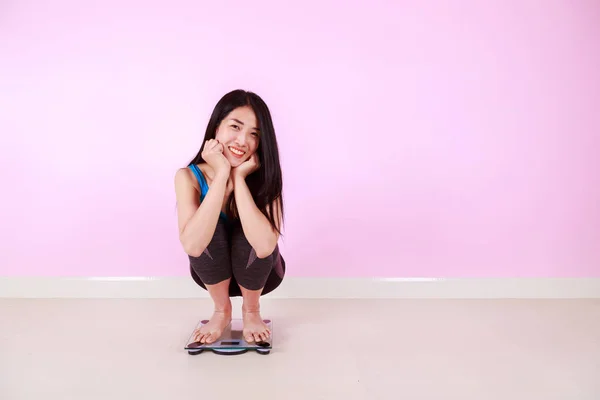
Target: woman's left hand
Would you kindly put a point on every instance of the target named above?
(247, 167)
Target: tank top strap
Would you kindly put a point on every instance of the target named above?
(203, 185)
(201, 180)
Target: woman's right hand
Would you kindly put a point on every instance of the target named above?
(213, 155)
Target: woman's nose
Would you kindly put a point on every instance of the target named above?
(241, 139)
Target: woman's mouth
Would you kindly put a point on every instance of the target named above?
(236, 152)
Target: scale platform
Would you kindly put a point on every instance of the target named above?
(231, 341)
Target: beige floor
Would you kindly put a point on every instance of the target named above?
(325, 349)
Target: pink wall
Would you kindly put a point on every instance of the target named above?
(456, 140)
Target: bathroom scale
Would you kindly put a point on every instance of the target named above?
(231, 341)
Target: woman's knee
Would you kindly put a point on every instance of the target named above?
(210, 273)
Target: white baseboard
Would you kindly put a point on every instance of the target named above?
(308, 288)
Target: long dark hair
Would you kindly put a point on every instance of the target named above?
(265, 184)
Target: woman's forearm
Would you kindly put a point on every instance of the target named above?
(257, 229)
(199, 230)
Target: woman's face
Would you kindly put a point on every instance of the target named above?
(239, 135)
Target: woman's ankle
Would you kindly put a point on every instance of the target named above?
(223, 307)
(253, 308)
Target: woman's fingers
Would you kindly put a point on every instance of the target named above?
(213, 145)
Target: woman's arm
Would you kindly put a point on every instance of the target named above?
(197, 222)
(259, 232)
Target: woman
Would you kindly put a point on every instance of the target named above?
(230, 213)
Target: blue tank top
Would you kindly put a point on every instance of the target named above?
(203, 184)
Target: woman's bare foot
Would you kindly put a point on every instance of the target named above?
(211, 332)
(255, 330)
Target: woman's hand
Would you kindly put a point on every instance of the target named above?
(247, 167)
(213, 155)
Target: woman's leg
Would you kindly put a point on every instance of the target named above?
(252, 275)
(212, 270)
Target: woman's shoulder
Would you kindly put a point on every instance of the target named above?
(186, 177)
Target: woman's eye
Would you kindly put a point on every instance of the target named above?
(234, 126)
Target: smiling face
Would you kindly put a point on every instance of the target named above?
(239, 134)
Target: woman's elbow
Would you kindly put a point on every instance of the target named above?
(194, 252)
(192, 249)
(265, 251)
